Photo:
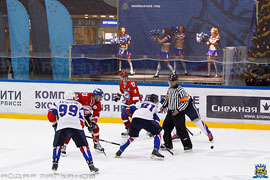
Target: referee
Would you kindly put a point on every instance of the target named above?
(176, 101)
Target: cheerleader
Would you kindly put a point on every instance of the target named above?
(164, 52)
(179, 48)
(123, 39)
(212, 52)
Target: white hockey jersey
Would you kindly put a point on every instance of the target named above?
(145, 110)
(69, 114)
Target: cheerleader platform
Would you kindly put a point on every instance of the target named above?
(146, 78)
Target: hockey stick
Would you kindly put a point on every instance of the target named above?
(169, 151)
(192, 134)
(98, 140)
(104, 141)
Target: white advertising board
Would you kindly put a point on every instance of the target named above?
(214, 104)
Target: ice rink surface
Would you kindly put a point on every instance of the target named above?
(26, 151)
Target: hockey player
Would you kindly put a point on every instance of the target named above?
(70, 124)
(92, 106)
(144, 117)
(130, 92)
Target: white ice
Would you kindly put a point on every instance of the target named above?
(26, 151)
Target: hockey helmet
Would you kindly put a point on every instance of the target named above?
(124, 73)
(173, 77)
(69, 95)
(153, 98)
(98, 92)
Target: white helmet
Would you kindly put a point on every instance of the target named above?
(69, 95)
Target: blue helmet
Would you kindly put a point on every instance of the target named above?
(98, 92)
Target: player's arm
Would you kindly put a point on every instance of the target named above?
(164, 103)
(52, 116)
(132, 108)
(156, 118)
(119, 95)
(81, 115)
(92, 124)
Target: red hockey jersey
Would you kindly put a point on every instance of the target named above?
(130, 92)
(89, 107)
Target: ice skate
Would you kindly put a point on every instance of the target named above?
(98, 147)
(156, 154)
(55, 165)
(163, 147)
(125, 134)
(118, 153)
(92, 167)
(175, 137)
(210, 136)
(64, 150)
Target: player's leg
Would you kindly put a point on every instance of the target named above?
(64, 149)
(180, 124)
(155, 129)
(168, 126)
(80, 140)
(194, 116)
(174, 134)
(125, 119)
(134, 131)
(95, 135)
(58, 142)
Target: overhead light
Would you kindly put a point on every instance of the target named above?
(103, 16)
(111, 16)
(94, 15)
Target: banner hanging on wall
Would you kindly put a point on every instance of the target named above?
(18, 21)
(61, 37)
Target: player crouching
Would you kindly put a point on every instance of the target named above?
(69, 125)
(92, 106)
(144, 117)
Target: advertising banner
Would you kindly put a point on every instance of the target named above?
(221, 105)
(238, 107)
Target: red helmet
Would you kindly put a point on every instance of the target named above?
(124, 73)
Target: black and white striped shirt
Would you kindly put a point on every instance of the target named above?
(176, 98)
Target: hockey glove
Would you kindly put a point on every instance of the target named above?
(54, 125)
(117, 98)
(92, 126)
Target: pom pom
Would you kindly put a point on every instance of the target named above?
(154, 33)
(202, 37)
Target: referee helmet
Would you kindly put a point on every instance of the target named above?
(173, 77)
